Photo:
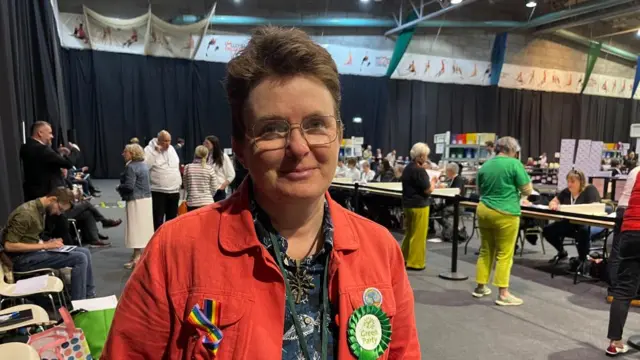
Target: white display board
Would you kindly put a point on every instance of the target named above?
(567, 152)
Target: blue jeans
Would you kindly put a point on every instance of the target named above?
(79, 260)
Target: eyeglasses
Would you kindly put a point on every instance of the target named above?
(274, 134)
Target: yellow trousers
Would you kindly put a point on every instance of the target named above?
(498, 235)
(414, 244)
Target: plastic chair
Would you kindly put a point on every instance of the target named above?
(54, 286)
(40, 317)
(522, 236)
(18, 351)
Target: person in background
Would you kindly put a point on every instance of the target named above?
(385, 173)
(367, 154)
(241, 174)
(221, 164)
(615, 167)
(613, 262)
(577, 192)
(165, 178)
(41, 164)
(631, 160)
(379, 154)
(543, 160)
(200, 180)
(502, 181)
(416, 187)
(341, 169)
(391, 157)
(397, 173)
(626, 283)
(179, 147)
(491, 149)
(367, 174)
(28, 250)
(447, 210)
(352, 171)
(134, 140)
(276, 233)
(135, 190)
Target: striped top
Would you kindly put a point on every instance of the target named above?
(201, 183)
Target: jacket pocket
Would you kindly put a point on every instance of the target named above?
(234, 323)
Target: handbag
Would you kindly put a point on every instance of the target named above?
(96, 325)
(182, 209)
(62, 342)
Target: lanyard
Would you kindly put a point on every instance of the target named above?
(292, 307)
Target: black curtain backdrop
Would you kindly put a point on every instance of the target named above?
(113, 97)
(29, 79)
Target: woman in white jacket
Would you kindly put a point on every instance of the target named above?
(222, 165)
(165, 178)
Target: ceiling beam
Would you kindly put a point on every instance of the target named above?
(617, 33)
(432, 15)
(608, 15)
(612, 50)
(585, 8)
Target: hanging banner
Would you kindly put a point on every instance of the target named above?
(116, 35)
(204, 29)
(636, 79)
(497, 57)
(174, 41)
(359, 61)
(72, 31)
(220, 48)
(592, 57)
(443, 70)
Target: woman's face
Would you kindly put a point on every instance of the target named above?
(573, 184)
(126, 155)
(298, 171)
(208, 144)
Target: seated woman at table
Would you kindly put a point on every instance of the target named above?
(502, 181)
(577, 192)
(367, 174)
(352, 172)
(385, 172)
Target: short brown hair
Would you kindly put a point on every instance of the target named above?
(276, 52)
(63, 195)
(578, 175)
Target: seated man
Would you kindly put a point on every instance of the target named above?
(76, 174)
(29, 251)
(446, 209)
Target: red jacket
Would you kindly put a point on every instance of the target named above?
(214, 253)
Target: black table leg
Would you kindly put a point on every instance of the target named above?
(454, 274)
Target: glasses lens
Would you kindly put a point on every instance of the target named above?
(271, 134)
(320, 130)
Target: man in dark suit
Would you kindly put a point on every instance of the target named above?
(40, 163)
(446, 210)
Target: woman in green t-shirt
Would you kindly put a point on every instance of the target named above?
(502, 180)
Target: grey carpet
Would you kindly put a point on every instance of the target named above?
(558, 320)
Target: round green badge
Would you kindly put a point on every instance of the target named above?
(369, 332)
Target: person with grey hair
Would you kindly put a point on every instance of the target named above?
(446, 209)
(135, 190)
(416, 187)
(164, 174)
(501, 182)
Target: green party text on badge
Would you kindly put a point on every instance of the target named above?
(368, 332)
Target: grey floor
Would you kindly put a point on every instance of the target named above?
(558, 320)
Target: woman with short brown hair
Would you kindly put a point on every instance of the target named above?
(291, 272)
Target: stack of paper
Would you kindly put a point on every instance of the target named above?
(31, 285)
(103, 303)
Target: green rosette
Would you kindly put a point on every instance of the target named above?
(368, 332)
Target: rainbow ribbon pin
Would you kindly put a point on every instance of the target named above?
(208, 320)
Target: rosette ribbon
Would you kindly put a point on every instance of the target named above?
(207, 320)
(370, 339)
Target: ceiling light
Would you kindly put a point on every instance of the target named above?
(531, 3)
(357, 120)
(454, 2)
(364, 1)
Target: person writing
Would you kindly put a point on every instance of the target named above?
(577, 192)
(278, 270)
(502, 181)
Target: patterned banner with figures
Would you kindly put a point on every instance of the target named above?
(443, 70)
(72, 31)
(539, 79)
(220, 48)
(116, 35)
(359, 61)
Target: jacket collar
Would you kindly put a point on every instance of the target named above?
(237, 232)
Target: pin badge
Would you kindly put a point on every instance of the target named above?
(372, 296)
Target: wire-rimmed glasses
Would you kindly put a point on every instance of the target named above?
(273, 134)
